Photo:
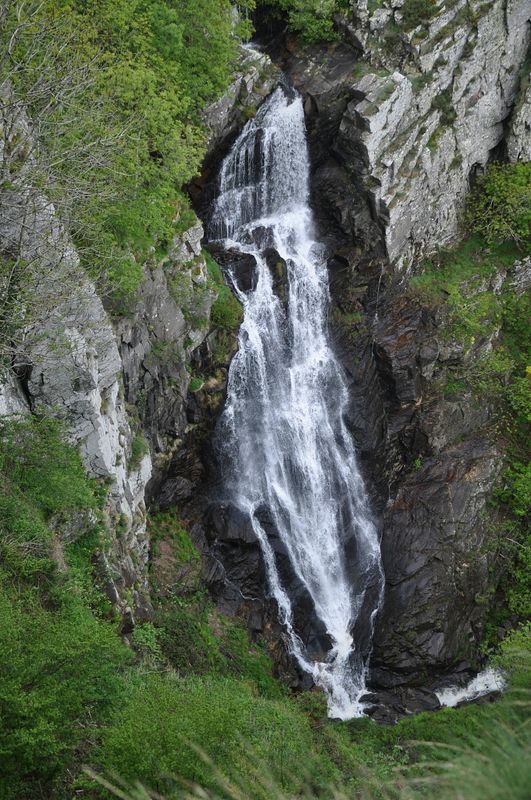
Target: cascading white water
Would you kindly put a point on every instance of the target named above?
(284, 442)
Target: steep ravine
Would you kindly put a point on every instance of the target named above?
(430, 459)
(391, 166)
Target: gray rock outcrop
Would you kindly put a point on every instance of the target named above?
(65, 357)
(406, 134)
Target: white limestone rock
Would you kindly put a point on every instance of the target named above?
(422, 146)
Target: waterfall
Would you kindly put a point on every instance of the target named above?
(283, 439)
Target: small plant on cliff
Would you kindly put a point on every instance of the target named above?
(443, 103)
(417, 12)
(226, 312)
(312, 20)
(139, 448)
(500, 209)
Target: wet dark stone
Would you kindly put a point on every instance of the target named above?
(279, 272)
(241, 265)
(387, 707)
(173, 491)
(229, 524)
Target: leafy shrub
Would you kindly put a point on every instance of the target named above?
(129, 134)
(60, 673)
(146, 642)
(221, 716)
(59, 662)
(226, 310)
(500, 209)
(41, 475)
(418, 12)
(187, 640)
(313, 20)
(39, 461)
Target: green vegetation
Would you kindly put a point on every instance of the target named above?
(115, 90)
(461, 279)
(222, 716)
(418, 12)
(165, 526)
(195, 639)
(226, 313)
(195, 384)
(500, 209)
(139, 448)
(59, 658)
(478, 752)
(312, 20)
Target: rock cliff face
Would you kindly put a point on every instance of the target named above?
(66, 360)
(407, 123)
(441, 463)
(396, 145)
(398, 127)
(116, 379)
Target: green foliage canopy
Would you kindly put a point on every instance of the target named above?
(500, 209)
(118, 116)
(312, 20)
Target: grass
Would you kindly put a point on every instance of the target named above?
(456, 279)
(60, 657)
(476, 752)
(226, 313)
(139, 449)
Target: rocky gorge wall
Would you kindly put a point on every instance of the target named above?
(407, 118)
(392, 163)
(119, 381)
(397, 135)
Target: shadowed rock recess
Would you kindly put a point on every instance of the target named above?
(398, 129)
(390, 173)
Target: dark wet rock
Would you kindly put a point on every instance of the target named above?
(279, 272)
(127, 624)
(173, 491)
(229, 524)
(235, 263)
(482, 700)
(387, 707)
(236, 575)
(435, 552)
(341, 199)
(430, 468)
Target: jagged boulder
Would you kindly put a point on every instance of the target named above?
(435, 549)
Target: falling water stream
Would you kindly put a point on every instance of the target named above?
(284, 442)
